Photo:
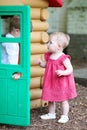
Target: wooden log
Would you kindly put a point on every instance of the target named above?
(37, 3)
(36, 93)
(37, 48)
(36, 103)
(35, 83)
(37, 71)
(34, 58)
(44, 103)
(40, 25)
(35, 13)
(11, 2)
(42, 57)
(39, 13)
(44, 14)
(41, 37)
(41, 81)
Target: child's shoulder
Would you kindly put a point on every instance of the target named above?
(9, 35)
(65, 56)
(47, 55)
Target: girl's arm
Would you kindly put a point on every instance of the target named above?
(68, 70)
(41, 63)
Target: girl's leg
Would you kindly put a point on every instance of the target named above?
(51, 106)
(51, 114)
(65, 110)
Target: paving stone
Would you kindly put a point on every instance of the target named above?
(81, 76)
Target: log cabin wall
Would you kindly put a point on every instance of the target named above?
(39, 37)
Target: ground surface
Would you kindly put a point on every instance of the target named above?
(77, 114)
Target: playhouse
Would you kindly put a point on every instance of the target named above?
(34, 11)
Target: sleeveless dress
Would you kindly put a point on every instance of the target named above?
(55, 88)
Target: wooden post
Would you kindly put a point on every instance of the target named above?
(37, 3)
(40, 25)
(35, 83)
(11, 2)
(44, 103)
(39, 14)
(37, 48)
(36, 93)
(36, 71)
(41, 37)
(34, 57)
(36, 103)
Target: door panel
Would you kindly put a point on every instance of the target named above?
(15, 94)
(3, 96)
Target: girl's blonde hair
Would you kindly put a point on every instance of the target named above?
(62, 38)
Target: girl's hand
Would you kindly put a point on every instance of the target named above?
(38, 61)
(16, 76)
(41, 63)
(67, 71)
(60, 72)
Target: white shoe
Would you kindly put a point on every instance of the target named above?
(63, 119)
(48, 116)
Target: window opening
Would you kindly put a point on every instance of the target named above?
(10, 28)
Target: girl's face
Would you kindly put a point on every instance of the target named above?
(53, 46)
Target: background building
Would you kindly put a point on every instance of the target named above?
(71, 19)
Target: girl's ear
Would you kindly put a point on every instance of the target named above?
(60, 46)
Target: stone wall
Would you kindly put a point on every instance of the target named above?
(58, 18)
(77, 28)
(71, 19)
(78, 47)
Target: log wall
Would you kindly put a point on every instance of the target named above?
(39, 37)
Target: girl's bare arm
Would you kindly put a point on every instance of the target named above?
(41, 63)
(68, 70)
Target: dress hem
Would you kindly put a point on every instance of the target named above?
(70, 98)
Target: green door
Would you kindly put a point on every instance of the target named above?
(15, 94)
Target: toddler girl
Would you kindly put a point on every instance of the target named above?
(58, 85)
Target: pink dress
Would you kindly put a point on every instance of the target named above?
(57, 89)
